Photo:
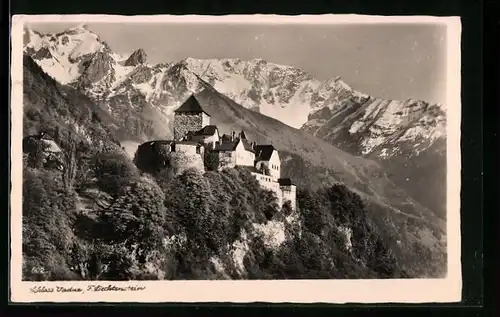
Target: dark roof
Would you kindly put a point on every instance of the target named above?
(251, 169)
(45, 136)
(225, 138)
(51, 144)
(264, 152)
(190, 105)
(207, 130)
(247, 145)
(285, 182)
(243, 135)
(231, 145)
(226, 146)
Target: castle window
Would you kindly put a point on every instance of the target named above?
(198, 149)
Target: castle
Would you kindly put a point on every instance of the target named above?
(193, 134)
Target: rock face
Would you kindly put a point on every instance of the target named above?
(137, 58)
(94, 68)
(408, 137)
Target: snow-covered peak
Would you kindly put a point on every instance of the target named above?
(61, 54)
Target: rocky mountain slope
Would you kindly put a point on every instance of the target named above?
(141, 98)
(58, 109)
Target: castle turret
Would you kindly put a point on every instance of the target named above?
(189, 117)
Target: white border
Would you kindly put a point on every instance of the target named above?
(294, 291)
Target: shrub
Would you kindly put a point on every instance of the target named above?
(113, 170)
(48, 211)
(211, 160)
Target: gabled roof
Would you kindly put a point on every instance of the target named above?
(225, 138)
(50, 144)
(207, 130)
(231, 145)
(190, 105)
(251, 169)
(264, 152)
(226, 146)
(248, 147)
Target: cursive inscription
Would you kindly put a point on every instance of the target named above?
(89, 288)
(114, 288)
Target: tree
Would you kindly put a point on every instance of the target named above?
(70, 163)
(47, 222)
(112, 171)
(211, 160)
(132, 226)
(35, 152)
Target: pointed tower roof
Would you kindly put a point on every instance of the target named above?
(191, 105)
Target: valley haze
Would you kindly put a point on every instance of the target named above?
(169, 152)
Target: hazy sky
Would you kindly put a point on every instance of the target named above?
(393, 61)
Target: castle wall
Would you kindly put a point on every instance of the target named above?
(185, 122)
(183, 161)
(226, 160)
(150, 156)
(212, 139)
(244, 157)
(188, 149)
(267, 182)
(289, 194)
(274, 166)
(205, 119)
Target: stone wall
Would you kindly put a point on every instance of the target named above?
(289, 194)
(189, 149)
(226, 160)
(154, 156)
(185, 122)
(182, 161)
(267, 182)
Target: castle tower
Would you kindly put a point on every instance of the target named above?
(189, 117)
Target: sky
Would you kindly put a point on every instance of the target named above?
(391, 61)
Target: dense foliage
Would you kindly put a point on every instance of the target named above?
(146, 226)
(97, 216)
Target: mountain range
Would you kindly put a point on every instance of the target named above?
(407, 137)
(392, 153)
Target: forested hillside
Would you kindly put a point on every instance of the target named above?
(101, 218)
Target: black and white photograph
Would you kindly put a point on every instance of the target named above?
(152, 150)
